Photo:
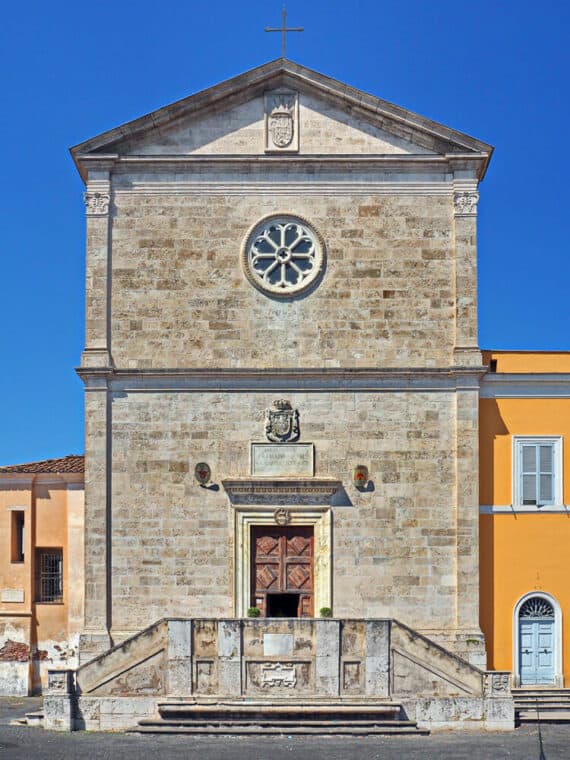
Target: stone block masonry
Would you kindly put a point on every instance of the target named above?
(172, 546)
(179, 297)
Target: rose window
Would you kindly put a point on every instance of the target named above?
(283, 255)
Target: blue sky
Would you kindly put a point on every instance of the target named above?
(496, 70)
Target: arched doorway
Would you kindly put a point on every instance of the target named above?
(538, 655)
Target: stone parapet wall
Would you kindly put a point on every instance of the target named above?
(268, 659)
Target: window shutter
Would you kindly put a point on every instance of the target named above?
(546, 458)
(528, 473)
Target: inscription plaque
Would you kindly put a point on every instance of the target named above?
(280, 459)
(13, 595)
(277, 643)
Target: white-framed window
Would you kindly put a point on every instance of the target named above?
(537, 471)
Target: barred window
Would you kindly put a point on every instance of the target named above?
(49, 575)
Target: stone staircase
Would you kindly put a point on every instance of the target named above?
(282, 675)
(346, 717)
(542, 705)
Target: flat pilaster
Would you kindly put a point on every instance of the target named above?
(327, 671)
(377, 658)
(95, 636)
(467, 509)
(179, 676)
(465, 199)
(230, 655)
(98, 280)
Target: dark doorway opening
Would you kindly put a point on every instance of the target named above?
(282, 605)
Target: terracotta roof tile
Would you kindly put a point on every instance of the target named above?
(71, 463)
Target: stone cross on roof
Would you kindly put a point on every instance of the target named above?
(283, 29)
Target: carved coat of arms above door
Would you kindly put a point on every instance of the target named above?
(282, 422)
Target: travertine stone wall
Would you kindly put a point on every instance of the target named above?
(395, 546)
(180, 299)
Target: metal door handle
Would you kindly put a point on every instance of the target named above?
(544, 651)
(526, 651)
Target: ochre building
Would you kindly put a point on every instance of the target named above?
(524, 451)
(41, 571)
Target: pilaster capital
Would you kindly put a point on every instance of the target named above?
(97, 203)
(465, 202)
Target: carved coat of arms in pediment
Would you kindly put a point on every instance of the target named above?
(282, 422)
(281, 126)
(281, 121)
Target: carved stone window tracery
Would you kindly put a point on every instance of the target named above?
(283, 255)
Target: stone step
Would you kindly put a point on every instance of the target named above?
(542, 697)
(542, 703)
(270, 722)
(35, 718)
(279, 712)
(300, 703)
(329, 728)
(351, 717)
(524, 693)
(530, 716)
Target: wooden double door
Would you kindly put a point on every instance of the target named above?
(536, 651)
(282, 577)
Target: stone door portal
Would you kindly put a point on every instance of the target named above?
(282, 570)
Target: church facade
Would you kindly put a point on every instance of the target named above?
(281, 378)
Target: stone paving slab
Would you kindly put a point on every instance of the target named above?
(17, 743)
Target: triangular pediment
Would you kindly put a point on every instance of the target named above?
(230, 119)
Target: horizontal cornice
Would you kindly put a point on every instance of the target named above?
(45, 478)
(531, 385)
(288, 485)
(325, 379)
(449, 162)
(310, 186)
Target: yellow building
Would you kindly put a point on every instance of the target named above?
(41, 570)
(524, 517)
